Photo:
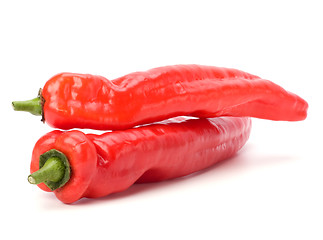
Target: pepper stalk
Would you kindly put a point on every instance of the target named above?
(54, 170)
(33, 106)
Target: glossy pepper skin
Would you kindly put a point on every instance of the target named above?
(87, 101)
(112, 162)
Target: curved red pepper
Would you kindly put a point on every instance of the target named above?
(87, 101)
(113, 161)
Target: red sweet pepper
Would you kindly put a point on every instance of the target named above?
(76, 165)
(71, 100)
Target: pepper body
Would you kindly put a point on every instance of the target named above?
(112, 162)
(88, 101)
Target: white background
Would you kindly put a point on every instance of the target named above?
(271, 190)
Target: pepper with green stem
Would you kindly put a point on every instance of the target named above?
(89, 165)
(70, 100)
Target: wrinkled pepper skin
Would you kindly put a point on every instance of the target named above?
(88, 101)
(113, 161)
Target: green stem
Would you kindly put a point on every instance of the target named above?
(54, 170)
(33, 106)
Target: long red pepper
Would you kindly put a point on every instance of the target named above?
(76, 165)
(71, 100)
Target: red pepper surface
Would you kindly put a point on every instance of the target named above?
(87, 101)
(112, 162)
